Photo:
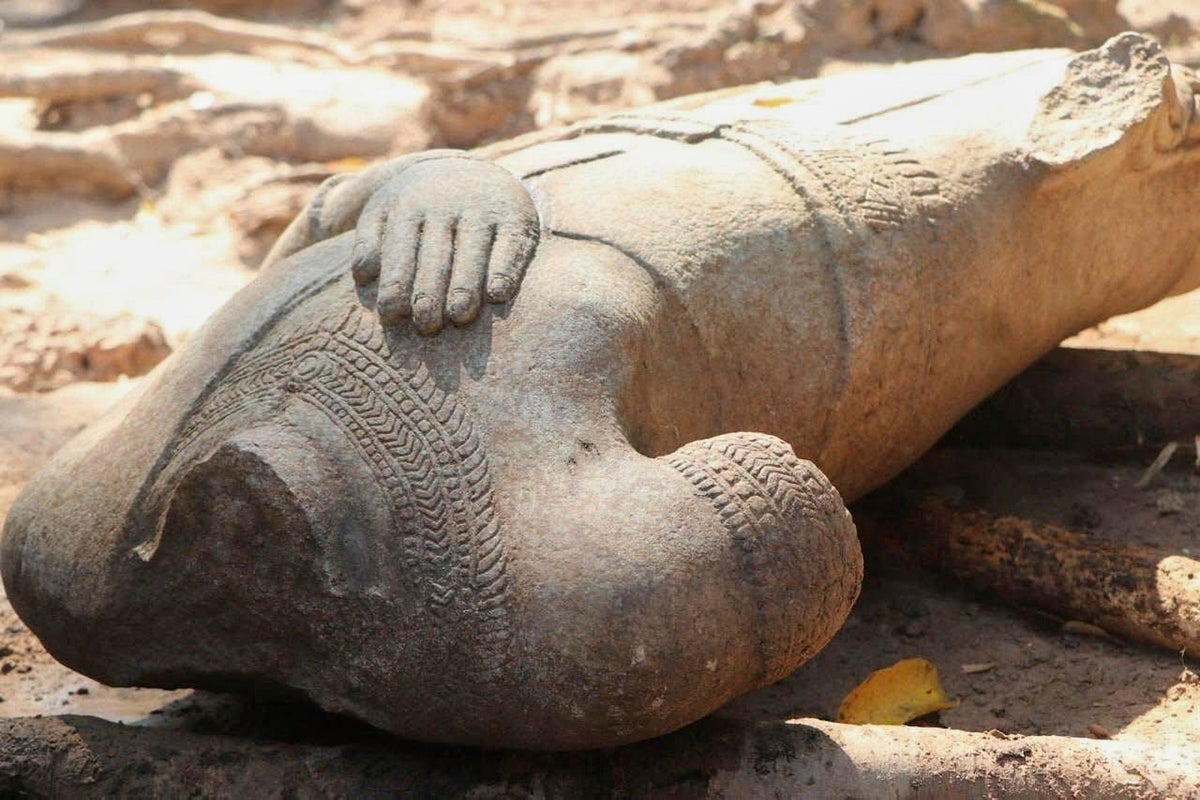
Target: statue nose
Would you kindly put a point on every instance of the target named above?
(302, 496)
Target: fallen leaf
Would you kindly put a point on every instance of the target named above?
(975, 669)
(895, 695)
(772, 102)
(348, 164)
(147, 213)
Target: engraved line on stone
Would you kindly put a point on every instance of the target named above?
(783, 163)
(705, 472)
(680, 129)
(449, 485)
(663, 285)
(945, 93)
(573, 162)
(139, 509)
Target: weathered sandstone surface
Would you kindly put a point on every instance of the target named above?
(580, 519)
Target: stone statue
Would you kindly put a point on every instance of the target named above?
(574, 517)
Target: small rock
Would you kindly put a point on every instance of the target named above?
(36, 13)
(263, 213)
(47, 351)
(14, 280)
(975, 669)
(1169, 502)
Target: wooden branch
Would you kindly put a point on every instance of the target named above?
(79, 81)
(154, 29)
(1136, 592)
(121, 159)
(51, 161)
(433, 59)
(86, 757)
(1076, 399)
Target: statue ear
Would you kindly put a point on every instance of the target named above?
(1123, 96)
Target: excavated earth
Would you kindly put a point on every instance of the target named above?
(98, 281)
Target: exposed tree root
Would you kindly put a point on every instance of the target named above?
(55, 160)
(86, 757)
(174, 31)
(119, 160)
(85, 79)
(112, 125)
(1091, 400)
(1137, 592)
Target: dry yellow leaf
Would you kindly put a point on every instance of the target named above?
(895, 695)
(773, 102)
(348, 164)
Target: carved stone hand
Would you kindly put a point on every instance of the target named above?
(436, 230)
(441, 234)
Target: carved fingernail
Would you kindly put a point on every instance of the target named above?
(459, 306)
(500, 288)
(360, 266)
(392, 305)
(425, 313)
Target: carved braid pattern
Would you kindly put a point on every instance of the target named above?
(869, 182)
(659, 126)
(254, 381)
(773, 505)
(421, 449)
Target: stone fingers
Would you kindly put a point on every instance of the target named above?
(410, 256)
(472, 250)
(398, 267)
(368, 237)
(435, 254)
(440, 237)
(511, 254)
(437, 268)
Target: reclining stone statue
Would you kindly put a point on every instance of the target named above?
(574, 517)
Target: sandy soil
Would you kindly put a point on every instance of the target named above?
(174, 254)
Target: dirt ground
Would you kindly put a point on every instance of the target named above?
(103, 269)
